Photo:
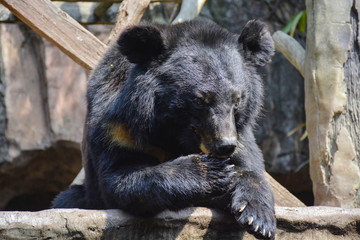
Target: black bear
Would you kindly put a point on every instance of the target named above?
(171, 113)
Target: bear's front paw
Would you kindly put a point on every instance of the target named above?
(218, 173)
(257, 218)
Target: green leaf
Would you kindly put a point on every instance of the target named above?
(302, 23)
(291, 26)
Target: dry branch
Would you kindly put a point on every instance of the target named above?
(291, 49)
(130, 12)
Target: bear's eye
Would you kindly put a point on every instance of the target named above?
(200, 102)
(237, 102)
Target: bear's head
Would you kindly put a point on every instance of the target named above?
(192, 86)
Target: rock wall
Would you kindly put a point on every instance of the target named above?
(42, 113)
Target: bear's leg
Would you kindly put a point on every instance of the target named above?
(252, 201)
(74, 197)
(252, 204)
(146, 190)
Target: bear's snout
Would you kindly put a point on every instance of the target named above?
(225, 147)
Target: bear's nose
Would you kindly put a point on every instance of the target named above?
(225, 147)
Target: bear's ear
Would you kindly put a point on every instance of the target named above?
(257, 43)
(140, 44)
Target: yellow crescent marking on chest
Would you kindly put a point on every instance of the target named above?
(121, 135)
(204, 149)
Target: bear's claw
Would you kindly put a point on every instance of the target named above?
(250, 220)
(256, 220)
(242, 207)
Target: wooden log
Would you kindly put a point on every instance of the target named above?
(190, 223)
(59, 28)
(291, 49)
(130, 12)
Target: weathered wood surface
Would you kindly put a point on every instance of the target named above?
(60, 29)
(190, 223)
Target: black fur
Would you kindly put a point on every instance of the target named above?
(257, 42)
(161, 95)
(140, 44)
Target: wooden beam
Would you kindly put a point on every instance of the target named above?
(283, 198)
(59, 28)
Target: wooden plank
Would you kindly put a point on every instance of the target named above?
(59, 28)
